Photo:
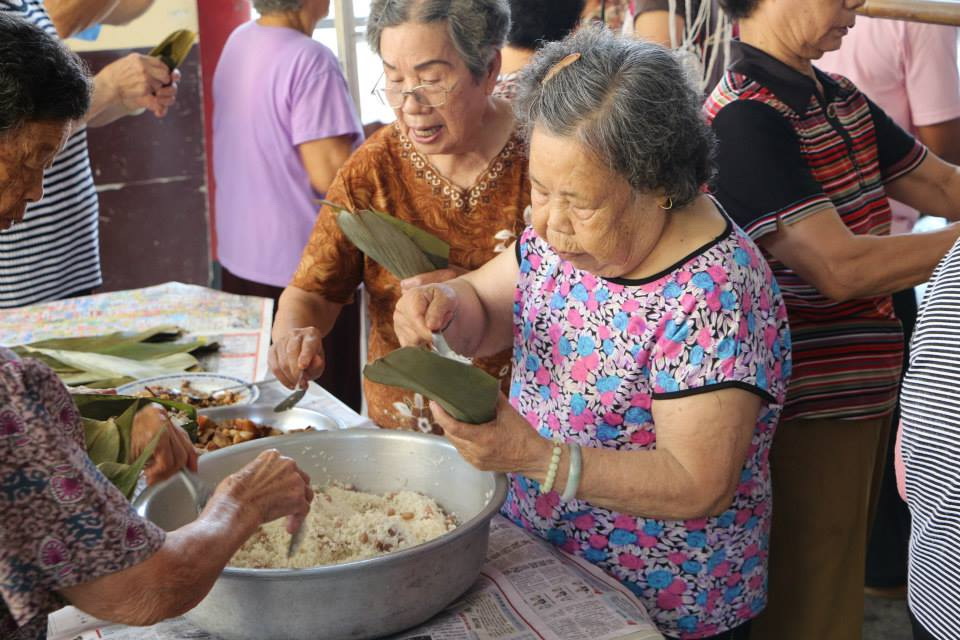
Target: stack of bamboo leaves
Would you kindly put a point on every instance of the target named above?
(108, 428)
(117, 358)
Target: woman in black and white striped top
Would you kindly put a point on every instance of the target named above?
(930, 444)
(54, 253)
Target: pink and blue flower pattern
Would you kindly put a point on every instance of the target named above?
(592, 355)
(61, 521)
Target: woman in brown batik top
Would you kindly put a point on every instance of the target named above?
(452, 165)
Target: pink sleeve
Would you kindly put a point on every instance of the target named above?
(933, 84)
(898, 467)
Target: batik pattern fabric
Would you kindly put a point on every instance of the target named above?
(62, 522)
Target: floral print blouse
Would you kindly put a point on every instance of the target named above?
(590, 357)
(62, 523)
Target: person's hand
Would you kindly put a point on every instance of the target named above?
(272, 486)
(173, 452)
(432, 277)
(135, 80)
(421, 311)
(507, 443)
(167, 95)
(295, 354)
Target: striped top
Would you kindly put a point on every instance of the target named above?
(930, 405)
(785, 152)
(54, 252)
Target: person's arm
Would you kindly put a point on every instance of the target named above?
(70, 17)
(766, 186)
(474, 311)
(943, 139)
(323, 121)
(176, 578)
(329, 273)
(323, 158)
(844, 266)
(126, 11)
(702, 444)
(933, 188)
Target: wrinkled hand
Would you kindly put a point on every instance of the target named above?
(273, 486)
(174, 450)
(167, 95)
(142, 82)
(421, 311)
(433, 277)
(298, 352)
(507, 443)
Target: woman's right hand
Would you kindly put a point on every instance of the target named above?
(421, 311)
(271, 486)
(298, 352)
(135, 80)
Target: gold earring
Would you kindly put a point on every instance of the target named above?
(668, 205)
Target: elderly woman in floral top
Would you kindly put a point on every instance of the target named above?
(68, 536)
(650, 342)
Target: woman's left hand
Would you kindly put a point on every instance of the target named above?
(507, 443)
(173, 452)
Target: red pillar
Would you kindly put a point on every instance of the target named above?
(217, 19)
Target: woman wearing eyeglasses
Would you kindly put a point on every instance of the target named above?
(452, 164)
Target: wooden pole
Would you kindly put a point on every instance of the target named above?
(932, 11)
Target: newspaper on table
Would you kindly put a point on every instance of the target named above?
(527, 590)
(241, 324)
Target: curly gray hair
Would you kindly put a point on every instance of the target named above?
(630, 102)
(276, 6)
(477, 28)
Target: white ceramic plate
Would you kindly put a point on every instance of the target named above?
(203, 382)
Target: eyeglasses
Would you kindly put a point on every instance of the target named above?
(427, 95)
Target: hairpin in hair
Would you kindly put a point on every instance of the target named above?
(560, 66)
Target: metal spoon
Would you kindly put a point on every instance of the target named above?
(198, 489)
(296, 540)
(291, 400)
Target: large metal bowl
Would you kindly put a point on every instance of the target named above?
(356, 600)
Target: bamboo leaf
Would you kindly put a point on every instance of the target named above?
(112, 366)
(402, 248)
(96, 343)
(467, 393)
(174, 48)
(102, 440)
(436, 250)
(103, 407)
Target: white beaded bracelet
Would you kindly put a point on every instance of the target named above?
(547, 485)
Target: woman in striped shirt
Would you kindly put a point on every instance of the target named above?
(931, 447)
(806, 162)
(55, 252)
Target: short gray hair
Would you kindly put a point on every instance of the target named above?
(477, 28)
(277, 6)
(630, 102)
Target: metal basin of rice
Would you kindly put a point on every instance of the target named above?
(362, 599)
